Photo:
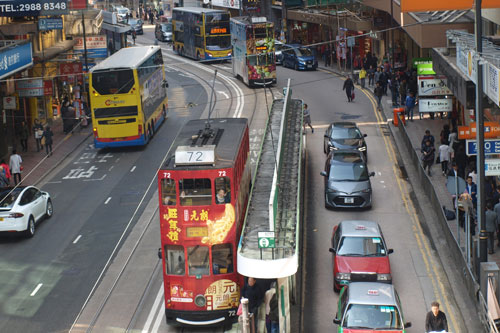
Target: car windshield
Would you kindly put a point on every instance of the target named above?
(345, 133)
(362, 316)
(345, 171)
(166, 27)
(8, 197)
(134, 21)
(304, 52)
(122, 11)
(361, 247)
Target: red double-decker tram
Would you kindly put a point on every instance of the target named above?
(203, 189)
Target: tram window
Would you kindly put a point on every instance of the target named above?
(198, 260)
(222, 259)
(168, 193)
(195, 192)
(175, 262)
(222, 190)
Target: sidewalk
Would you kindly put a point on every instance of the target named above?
(37, 165)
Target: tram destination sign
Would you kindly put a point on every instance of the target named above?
(20, 8)
(266, 240)
(491, 147)
(187, 155)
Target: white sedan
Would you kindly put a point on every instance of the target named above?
(21, 208)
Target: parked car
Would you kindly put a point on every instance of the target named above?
(135, 24)
(21, 208)
(347, 180)
(344, 135)
(163, 32)
(299, 57)
(360, 254)
(370, 307)
(278, 52)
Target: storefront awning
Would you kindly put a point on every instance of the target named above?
(118, 28)
(53, 51)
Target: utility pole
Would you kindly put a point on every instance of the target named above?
(483, 235)
(85, 72)
(392, 36)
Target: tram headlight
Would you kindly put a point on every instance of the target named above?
(200, 301)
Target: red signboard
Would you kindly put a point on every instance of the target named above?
(70, 68)
(77, 4)
(48, 89)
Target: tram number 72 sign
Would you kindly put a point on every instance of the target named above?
(266, 240)
(186, 155)
(491, 147)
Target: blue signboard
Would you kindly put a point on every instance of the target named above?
(491, 147)
(15, 58)
(20, 8)
(50, 24)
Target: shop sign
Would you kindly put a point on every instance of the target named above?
(21, 8)
(425, 69)
(432, 86)
(30, 88)
(420, 61)
(491, 79)
(77, 4)
(466, 63)
(491, 147)
(50, 24)
(96, 46)
(235, 4)
(266, 239)
(10, 103)
(48, 88)
(492, 167)
(15, 59)
(491, 130)
(70, 68)
(435, 105)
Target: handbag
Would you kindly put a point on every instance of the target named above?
(353, 95)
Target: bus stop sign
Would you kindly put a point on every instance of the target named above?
(266, 240)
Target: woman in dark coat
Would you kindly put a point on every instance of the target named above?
(47, 135)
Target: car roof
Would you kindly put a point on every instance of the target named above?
(359, 228)
(344, 124)
(371, 293)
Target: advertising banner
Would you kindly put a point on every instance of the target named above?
(30, 88)
(235, 4)
(21, 8)
(491, 130)
(435, 105)
(466, 63)
(15, 59)
(491, 79)
(432, 86)
(492, 167)
(48, 88)
(96, 46)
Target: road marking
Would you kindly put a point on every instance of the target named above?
(94, 179)
(54, 182)
(223, 93)
(107, 200)
(133, 168)
(111, 167)
(158, 320)
(422, 241)
(77, 239)
(36, 289)
(152, 313)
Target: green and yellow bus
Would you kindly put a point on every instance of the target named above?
(201, 33)
(128, 96)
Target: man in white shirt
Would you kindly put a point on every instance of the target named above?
(15, 166)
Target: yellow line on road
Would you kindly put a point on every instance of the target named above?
(422, 241)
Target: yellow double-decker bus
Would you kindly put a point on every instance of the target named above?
(128, 95)
(201, 33)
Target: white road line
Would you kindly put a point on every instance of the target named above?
(133, 168)
(111, 167)
(158, 320)
(77, 239)
(36, 289)
(54, 182)
(224, 93)
(152, 313)
(107, 200)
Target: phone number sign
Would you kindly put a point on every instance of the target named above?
(20, 8)
(491, 147)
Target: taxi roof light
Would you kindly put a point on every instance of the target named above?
(360, 227)
(373, 292)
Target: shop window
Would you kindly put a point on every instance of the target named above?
(168, 192)
(195, 192)
(222, 259)
(174, 260)
(198, 260)
(222, 190)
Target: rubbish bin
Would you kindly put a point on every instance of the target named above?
(398, 112)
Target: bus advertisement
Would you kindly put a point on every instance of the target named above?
(203, 193)
(201, 33)
(128, 97)
(254, 60)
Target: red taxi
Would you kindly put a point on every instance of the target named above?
(360, 254)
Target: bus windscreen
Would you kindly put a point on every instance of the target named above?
(114, 81)
(215, 43)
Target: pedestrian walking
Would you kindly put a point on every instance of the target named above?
(371, 76)
(47, 135)
(378, 92)
(428, 156)
(255, 295)
(445, 133)
(349, 88)
(307, 118)
(403, 87)
(38, 131)
(427, 136)
(327, 55)
(134, 35)
(6, 170)
(376, 75)
(362, 77)
(435, 321)
(444, 157)
(384, 77)
(272, 311)
(15, 164)
(491, 227)
(23, 135)
(410, 105)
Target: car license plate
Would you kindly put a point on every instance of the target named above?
(349, 200)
